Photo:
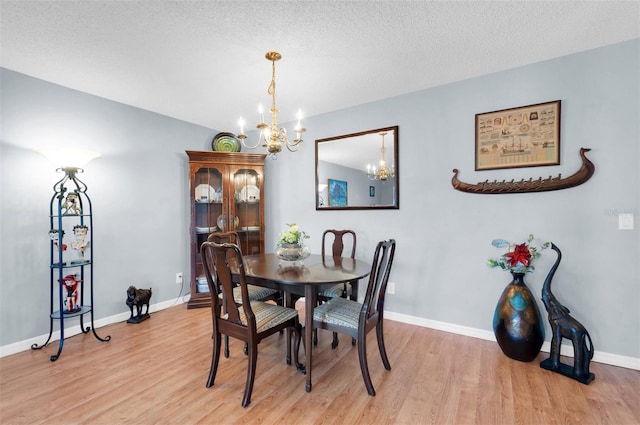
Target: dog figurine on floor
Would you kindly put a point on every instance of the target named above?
(138, 298)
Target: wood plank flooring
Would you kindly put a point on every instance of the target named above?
(155, 373)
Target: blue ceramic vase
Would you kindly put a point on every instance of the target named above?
(517, 323)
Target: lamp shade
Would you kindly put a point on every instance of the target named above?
(68, 157)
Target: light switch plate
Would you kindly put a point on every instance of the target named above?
(391, 288)
(625, 221)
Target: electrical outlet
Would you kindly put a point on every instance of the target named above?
(391, 287)
(179, 278)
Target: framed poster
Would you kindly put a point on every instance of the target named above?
(337, 193)
(528, 136)
(372, 191)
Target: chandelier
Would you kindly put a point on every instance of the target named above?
(271, 137)
(384, 172)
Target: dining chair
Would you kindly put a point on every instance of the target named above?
(356, 319)
(258, 293)
(338, 238)
(250, 321)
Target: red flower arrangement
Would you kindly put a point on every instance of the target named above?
(519, 257)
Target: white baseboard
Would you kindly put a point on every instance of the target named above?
(565, 350)
(74, 329)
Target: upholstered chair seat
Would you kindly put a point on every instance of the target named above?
(339, 290)
(339, 311)
(267, 315)
(256, 293)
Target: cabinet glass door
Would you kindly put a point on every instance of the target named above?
(247, 191)
(208, 201)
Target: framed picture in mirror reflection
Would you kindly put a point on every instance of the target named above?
(337, 193)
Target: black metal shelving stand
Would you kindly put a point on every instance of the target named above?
(70, 206)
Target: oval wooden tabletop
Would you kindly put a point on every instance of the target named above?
(316, 269)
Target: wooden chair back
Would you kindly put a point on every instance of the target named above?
(225, 237)
(255, 293)
(339, 239)
(222, 238)
(373, 304)
(218, 260)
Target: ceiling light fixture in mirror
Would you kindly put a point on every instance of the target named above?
(384, 172)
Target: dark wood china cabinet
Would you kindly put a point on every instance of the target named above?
(226, 193)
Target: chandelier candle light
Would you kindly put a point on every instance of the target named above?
(272, 137)
(384, 172)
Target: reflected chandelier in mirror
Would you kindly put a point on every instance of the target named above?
(362, 168)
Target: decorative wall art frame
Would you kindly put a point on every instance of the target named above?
(372, 191)
(527, 136)
(337, 193)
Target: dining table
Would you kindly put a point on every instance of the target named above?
(306, 279)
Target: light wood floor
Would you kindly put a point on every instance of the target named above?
(155, 373)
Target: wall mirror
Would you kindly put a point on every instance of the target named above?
(358, 171)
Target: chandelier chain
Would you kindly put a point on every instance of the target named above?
(384, 172)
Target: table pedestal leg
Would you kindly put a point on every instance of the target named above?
(287, 332)
(290, 301)
(310, 300)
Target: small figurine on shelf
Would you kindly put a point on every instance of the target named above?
(80, 244)
(138, 298)
(54, 235)
(70, 205)
(70, 283)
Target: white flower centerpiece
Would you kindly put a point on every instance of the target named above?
(291, 246)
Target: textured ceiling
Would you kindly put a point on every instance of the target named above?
(203, 61)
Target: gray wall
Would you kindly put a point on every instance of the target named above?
(444, 236)
(139, 191)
